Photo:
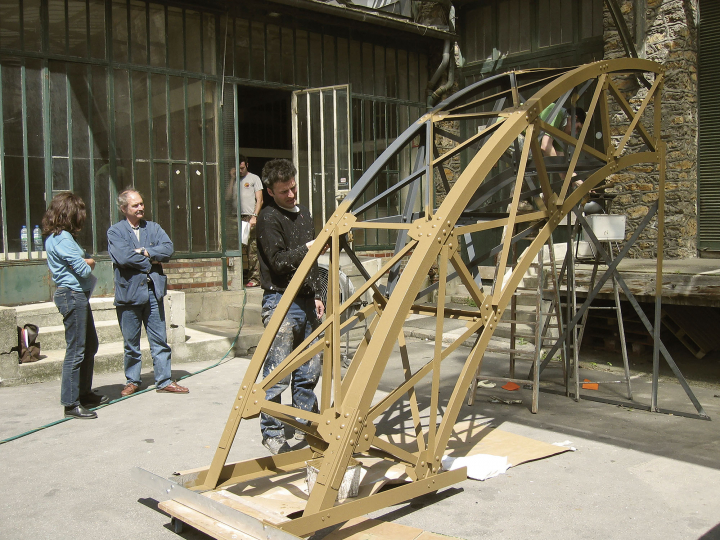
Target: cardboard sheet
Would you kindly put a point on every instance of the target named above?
(363, 528)
(279, 497)
(470, 438)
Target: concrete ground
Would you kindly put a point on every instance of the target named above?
(634, 475)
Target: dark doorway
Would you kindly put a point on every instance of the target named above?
(264, 126)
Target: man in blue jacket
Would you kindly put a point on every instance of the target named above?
(137, 249)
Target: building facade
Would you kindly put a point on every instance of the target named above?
(99, 95)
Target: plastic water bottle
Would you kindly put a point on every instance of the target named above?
(24, 239)
(37, 239)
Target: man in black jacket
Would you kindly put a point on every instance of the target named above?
(285, 232)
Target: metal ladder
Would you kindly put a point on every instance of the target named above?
(541, 325)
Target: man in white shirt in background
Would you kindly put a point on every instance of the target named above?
(250, 189)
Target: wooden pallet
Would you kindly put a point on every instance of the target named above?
(183, 514)
(602, 333)
(695, 326)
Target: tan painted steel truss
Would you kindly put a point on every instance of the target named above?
(498, 147)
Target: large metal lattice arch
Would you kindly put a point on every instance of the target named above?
(496, 133)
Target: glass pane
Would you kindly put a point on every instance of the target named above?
(258, 51)
(119, 31)
(343, 62)
(390, 73)
(106, 213)
(58, 112)
(81, 187)
(138, 32)
(198, 209)
(274, 62)
(10, 24)
(175, 35)
(60, 178)
(157, 36)
(329, 61)
(413, 76)
(97, 29)
(159, 116)
(193, 40)
(315, 59)
(177, 118)
(357, 138)
(368, 70)
(242, 48)
(15, 191)
(356, 67)
(77, 29)
(422, 75)
(287, 46)
(12, 109)
(123, 133)
(301, 65)
(107, 183)
(228, 48)
(179, 208)
(211, 127)
(380, 89)
(36, 172)
(402, 85)
(161, 211)
(140, 116)
(100, 116)
(32, 25)
(194, 109)
(57, 36)
(34, 99)
(143, 182)
(77, 78)
(212, 209)
(209, 56)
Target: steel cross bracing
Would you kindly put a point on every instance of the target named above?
(498, 148)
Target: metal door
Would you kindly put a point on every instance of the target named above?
(321, 148)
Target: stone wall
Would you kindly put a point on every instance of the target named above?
(669, 37)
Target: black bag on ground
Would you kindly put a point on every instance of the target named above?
(28, 347)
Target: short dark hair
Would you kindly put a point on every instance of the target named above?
(122, 200)
(580, 115)
(278, 170)
(243, 159)
(65, 213)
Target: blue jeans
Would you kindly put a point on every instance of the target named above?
(152, 316)
(298, 324)
(81, 345)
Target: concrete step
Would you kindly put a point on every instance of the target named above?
(247, 339)
(198, 347)
(53, 337)
(249, 311)
(46, 314)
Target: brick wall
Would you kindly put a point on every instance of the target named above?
(194, 275)
(670, 38)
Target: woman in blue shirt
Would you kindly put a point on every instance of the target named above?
(70, 267)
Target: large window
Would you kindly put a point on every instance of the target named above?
(98, 96)
(501, 34)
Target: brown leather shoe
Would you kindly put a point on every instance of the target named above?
(130, 388)
(173, 388)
